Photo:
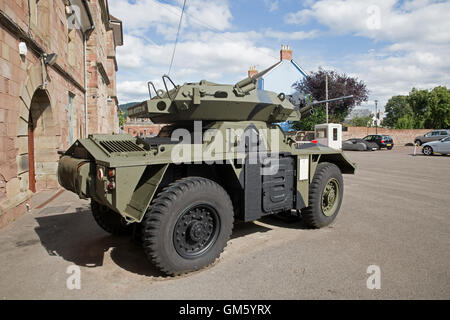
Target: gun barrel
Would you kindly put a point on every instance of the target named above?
(312, 104)
(333, 99)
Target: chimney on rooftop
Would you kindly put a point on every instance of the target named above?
(285, 52)
(252, 71)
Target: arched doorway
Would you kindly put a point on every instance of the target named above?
(42, 143)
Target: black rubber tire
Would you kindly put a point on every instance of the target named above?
(313, 215)
(158, 225)
(390, 148)
(109, 220)
(418, 142)
(429, 151)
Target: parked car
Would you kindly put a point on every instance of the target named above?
(381, 140)
(359, 145)
(441, 146)
(434, 135)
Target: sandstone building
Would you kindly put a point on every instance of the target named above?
(57, 84)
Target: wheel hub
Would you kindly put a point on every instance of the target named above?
(196, 230)
(330, 197)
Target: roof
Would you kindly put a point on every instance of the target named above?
(276, 65)
(266, 71)
(116, 26)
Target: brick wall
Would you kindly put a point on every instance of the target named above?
(20, 80)
(400, 136)
(102, 97)
(136, 128)
(20, 77)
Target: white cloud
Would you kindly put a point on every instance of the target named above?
(416, 32)
(296, 35)
(201, 53)
(416, 20)
(209, 13)
(222, 57)
(415, 53)
(144, 15)
(272, 5)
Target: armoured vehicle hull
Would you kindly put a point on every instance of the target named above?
(182, 189)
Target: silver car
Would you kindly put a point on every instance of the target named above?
(434, 135)
(442, 146)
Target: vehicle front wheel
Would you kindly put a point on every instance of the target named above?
(188, 225)
(109, 220)
(325, 196)
(418, 142)
(427, 150)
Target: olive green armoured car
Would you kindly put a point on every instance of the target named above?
(221, 157)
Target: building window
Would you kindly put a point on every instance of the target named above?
(71, 47)
(71, 120)
(39, 14)
(321, 133)
(33, 11)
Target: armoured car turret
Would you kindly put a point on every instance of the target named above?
(220, 157)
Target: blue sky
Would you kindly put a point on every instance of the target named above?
(391, 45)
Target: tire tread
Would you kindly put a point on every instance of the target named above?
(159, 210)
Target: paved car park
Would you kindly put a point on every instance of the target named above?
(395, 216)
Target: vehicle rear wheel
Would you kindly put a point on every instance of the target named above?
(188, 225)
(427, 150)
(325, 196)
(390, 148)
(109, 220)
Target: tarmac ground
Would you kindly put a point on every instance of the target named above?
(394, 223)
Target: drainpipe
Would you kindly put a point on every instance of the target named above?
(85, 35)
(85, 88)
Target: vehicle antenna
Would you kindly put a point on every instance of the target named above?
(176, 39)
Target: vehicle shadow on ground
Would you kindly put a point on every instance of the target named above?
(433, 155)
(75, 237)
(241, 229)
(283, 222)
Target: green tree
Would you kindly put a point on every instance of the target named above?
(438, 109)
(429, 109)
(122, 118)
(360, 121)
(397, 107)
(307, 123)
(339, 84)
(405, 122)
(419, 101)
